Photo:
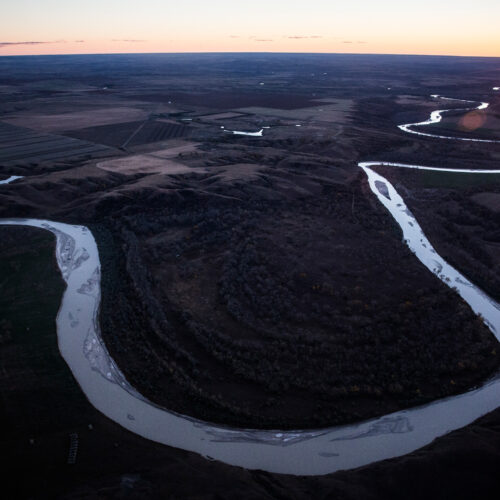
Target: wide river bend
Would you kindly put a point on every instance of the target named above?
(300, 452)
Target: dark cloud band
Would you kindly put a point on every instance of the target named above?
(10, 44)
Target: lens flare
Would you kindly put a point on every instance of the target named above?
(472, 121)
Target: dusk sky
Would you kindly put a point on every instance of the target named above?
(458, 27)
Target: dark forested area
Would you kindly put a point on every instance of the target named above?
(257, 312)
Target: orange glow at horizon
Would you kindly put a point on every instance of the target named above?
(323, 46)
(456, 27)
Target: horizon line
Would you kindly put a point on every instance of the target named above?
(250, 52)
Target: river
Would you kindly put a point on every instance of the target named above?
(437, 116)
(301, 452)
(12, 178)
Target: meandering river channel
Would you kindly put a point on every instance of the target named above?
(437, 116)
(302, 452)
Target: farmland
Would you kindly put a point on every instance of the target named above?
(247, 280)
(24, 145)
(131, 133)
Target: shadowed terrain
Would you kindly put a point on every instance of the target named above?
(251, 281)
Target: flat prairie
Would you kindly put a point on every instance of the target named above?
(78, 119)
(247, 281)
(333, 113)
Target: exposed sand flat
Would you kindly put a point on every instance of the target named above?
(77, 120)
(162, 161)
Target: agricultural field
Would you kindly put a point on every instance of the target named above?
(249, 275)
(131, 134)
(25, 145)
(230, 100)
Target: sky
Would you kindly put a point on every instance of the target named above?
(440, 27)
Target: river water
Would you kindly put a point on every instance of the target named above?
(250, 134)
(437, 116)
(12, 178)
(301, 452)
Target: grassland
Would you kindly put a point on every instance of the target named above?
(262, 268)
